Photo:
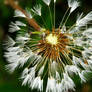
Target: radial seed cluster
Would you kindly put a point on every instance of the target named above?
(52, 55)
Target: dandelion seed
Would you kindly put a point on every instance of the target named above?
(37, 10)
(9, 42)
(73, 4)
(54, 1)
(19, 14)
(67, 83)
(18, 23)
(38, 84)
(13, 27)
(47, 2)
(85, 20)
(51, 85)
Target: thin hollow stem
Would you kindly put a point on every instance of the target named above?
(50, 16)
(54, 15)
(64, 17)
(44, 22)
(71, 27)
(75, 49)
(70, 60)
(60, 63)
(43, 62)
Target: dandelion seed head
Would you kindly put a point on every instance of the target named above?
(46, 52)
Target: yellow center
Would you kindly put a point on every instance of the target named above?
(52, 39)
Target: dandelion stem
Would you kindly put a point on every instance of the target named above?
(76, 49)
(71, 27)
(60, 64)
(43, 62)
(54, 14)
(68, 57)
(64, 17)
(50, 17)
(44, 22)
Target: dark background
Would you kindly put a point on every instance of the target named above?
(11, 82)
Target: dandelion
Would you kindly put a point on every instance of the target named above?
(52, 55)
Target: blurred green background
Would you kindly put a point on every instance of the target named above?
(11, 82)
